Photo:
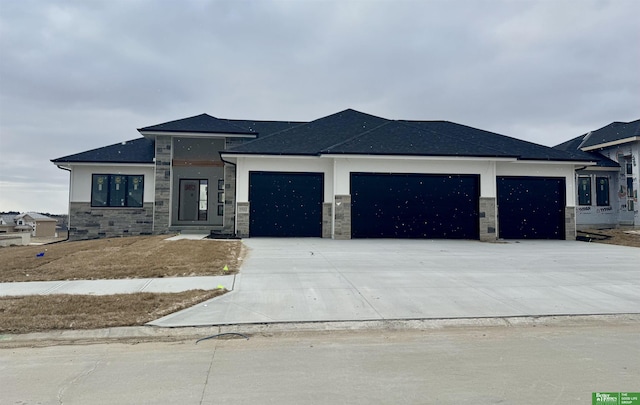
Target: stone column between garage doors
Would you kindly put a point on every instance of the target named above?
(342, 220)
(570, 223)
(488, 223)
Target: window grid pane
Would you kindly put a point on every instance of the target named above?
(584, 190)
(602, 191)
(115, 190)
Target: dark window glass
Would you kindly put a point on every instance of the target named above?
(584, 190)
(602, 191)
(135, 186)
(100, 190)
(115, 190)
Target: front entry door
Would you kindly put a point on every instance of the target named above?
(193, 200)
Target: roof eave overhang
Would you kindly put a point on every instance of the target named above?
(150, 134)
(415, 157)
(69, 164)
(559, 162)
(612, 143)
(601, 169)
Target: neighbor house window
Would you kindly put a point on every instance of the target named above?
(602, 191)
(584, 190)
(117, 190)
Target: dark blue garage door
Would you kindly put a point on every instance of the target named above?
(285, 204)
(389, 205)
(531, 207)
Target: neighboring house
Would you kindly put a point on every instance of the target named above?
(36, 224)
(347, 175)
(7, 224)
(39, 225)
(607, 194)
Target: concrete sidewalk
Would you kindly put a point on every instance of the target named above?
(108, 287)
(316, 280)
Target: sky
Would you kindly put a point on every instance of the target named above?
(78, 75)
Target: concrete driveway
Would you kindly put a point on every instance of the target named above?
(292, 280)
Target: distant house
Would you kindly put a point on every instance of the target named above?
(7, 224)
(39, 225)
(346, 175)
(607, 193)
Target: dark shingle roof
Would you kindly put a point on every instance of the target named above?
(399, 138)
(265, 127)
(572, 146)
(503, 145)
(313, 137)
(139, 150)
(203, 123)
(353, 132)
(611, 133)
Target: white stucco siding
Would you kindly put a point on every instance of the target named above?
(345, 166)
(81, 179)
(245, 165)
(542, 169)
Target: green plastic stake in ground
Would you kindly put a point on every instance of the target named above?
(220, 287)
(225, 268)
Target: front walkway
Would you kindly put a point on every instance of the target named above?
(294, 280)
(121, 286)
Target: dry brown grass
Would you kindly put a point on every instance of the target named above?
(130, 257)
(617, 236)
(36, 313)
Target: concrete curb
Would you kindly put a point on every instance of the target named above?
(139, 334)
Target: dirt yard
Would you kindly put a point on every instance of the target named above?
(113, 258)
(35, 313)
(131, 257)
(623, 237)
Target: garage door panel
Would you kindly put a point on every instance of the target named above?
(414, 206)
(285, 204)
(531, 207)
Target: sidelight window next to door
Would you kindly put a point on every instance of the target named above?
(193, 200)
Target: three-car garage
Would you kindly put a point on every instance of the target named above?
(408, 205)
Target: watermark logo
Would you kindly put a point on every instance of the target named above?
(615, 398)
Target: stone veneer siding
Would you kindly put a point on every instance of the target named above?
(242, 217)
(92, 223)
(229, 218)
(570, 223)
(327, 219)
(342, 217)
(488, 223)
(162, 206)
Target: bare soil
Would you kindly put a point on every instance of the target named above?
(114, 258)
(621, 236)
(36, 313)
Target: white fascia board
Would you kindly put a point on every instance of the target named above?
(601, 169)
(234, 155)
(414, 157)
(612, 143)
(558, 162)
(196, 134)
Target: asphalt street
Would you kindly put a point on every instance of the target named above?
(472, 365)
